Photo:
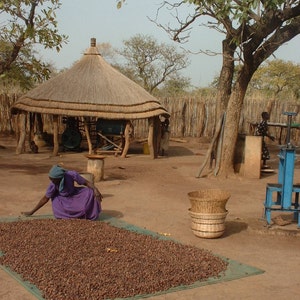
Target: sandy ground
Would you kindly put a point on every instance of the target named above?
(152, 194)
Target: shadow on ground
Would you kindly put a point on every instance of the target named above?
(108, 214)
(29, 169)
(234, 227)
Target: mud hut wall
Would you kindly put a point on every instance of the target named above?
(190, 116)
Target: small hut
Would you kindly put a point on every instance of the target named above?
(91, 88)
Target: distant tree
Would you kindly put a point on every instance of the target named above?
(277, 76)
(25, 71)
(151, 63)
(107, 51)
(205, 93)
(26, 23)
(129, 72)
(175, 86)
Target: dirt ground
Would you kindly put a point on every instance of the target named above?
(152, 194)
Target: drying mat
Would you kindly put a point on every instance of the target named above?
(235, 269)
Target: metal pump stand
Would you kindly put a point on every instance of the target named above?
(285, 188)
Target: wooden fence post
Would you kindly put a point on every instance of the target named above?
(55, 135)
(22, 129)
(88, 137)
(150, 137)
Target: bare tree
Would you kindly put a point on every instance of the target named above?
(152, 63)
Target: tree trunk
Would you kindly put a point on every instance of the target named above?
(226, 76)
(223, 97)
(22, 129)
(233, 114)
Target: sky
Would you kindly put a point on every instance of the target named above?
(81, 20)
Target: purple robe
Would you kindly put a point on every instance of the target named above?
(73, 201)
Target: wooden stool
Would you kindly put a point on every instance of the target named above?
(95, 165)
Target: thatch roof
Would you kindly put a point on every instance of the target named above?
(92, 87)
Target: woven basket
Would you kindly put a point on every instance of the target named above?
(209, 200)
(208, 225)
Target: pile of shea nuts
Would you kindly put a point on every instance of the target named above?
(81, 259)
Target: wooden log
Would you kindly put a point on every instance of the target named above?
(219, 147)
(156, 136)
(150, 137)
(211, 146)
(22, 129)
(95, 165)
(55, 135)
(127, 135)
(110, 141)
(88, 137)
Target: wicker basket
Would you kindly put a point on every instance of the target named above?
(209, 200)
(208, 226)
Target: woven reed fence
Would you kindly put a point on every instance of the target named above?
(6, 121)
(190, 117)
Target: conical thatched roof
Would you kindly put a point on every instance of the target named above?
(94, 88)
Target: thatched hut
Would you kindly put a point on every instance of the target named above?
(90, 88)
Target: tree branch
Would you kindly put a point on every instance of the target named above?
(6, 65)
(280, 37)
